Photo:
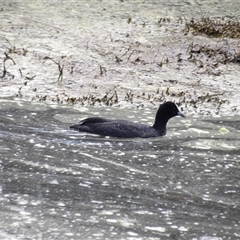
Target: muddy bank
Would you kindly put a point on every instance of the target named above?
(120, 53)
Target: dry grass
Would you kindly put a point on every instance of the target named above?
(214, 27)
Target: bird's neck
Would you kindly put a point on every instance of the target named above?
(160, 124)
(160, 120)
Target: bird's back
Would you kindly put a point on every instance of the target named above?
(116, 128)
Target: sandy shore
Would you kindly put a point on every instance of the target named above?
(120, 53)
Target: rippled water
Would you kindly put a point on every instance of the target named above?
(60, 184)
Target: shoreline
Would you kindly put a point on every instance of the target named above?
(120, 59)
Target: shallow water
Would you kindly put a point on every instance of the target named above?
(60, 184)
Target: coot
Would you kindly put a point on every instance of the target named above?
(127, 129)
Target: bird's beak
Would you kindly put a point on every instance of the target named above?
(181, 114)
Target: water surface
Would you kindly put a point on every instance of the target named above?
(60, 184)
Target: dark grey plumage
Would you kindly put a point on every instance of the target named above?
(127, 129)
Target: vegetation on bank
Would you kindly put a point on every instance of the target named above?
(205, 56)
(213, 27)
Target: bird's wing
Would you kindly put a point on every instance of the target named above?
(93, 120)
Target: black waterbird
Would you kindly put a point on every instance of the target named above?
(127, 129)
